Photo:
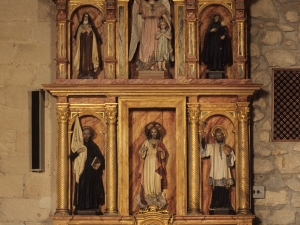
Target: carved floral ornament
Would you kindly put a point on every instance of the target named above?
(193, 114)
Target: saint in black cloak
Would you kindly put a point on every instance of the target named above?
(89, 192)
(216, 52)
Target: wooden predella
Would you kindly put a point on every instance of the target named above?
(122, 65)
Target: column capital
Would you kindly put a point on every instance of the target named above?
(63, 112)
(193, 114)
(111, 113)
(243, 113)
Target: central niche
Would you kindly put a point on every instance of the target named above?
(139, 119)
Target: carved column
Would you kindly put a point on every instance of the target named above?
(62, 159)
(193, 159)
(111, 160)
(243, 189)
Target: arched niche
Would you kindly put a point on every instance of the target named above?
(205, 17)
(226, 121)
(98, 124)
(98, 18)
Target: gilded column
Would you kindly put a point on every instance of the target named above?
(62, 159)
(243, 187)
(111, 160)
(193, 159)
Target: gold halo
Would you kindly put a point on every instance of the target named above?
(224, 131)
(158, 126)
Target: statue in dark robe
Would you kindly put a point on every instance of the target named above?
(89, 189)
(216, 52)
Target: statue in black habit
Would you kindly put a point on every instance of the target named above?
(216, 52)
(88, 166)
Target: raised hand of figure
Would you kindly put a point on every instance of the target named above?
(159, 149)
(213, 30)
(227, 149)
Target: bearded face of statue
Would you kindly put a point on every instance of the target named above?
(219, 137)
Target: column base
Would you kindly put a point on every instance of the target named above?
(62, 212)
(195, 211)
(110, 212)
(243, 212)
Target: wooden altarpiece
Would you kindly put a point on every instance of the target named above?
(187, 104)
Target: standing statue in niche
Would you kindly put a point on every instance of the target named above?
(146, 16)
(153, 154)
(88, 168)
(222, 157)
(86, 60)
(216, 52)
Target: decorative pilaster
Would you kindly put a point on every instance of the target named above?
(62, 39)
(62, 188)
(191, 37)
(240, 49)
(110, 61)
(179, 37)
(122, 40)
(243, 189)
(193, 159)
(111, 160)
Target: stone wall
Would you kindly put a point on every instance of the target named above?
(27, 60)
(27, 54)
(274, 42)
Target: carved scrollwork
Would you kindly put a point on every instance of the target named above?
(153, 215)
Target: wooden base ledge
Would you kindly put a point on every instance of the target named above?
(187, 220)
